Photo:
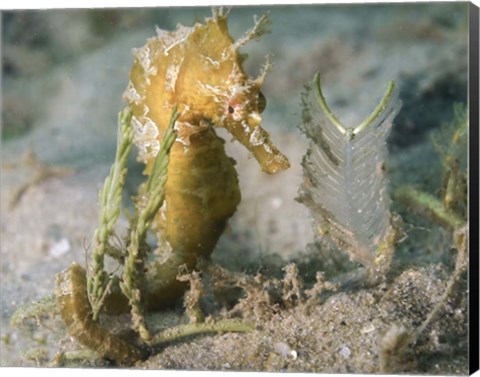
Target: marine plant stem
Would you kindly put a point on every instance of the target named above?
(133, 273)
(428, 205)
(191, 329)
(36, 309)
(460, 241)
(110, 198)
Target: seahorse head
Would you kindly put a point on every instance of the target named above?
(200, 70)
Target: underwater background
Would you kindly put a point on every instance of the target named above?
(64, 72)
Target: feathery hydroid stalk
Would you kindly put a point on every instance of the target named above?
(345, 184)
(133, 273)
(110, 198)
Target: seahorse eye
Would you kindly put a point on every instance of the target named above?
(261, 103)
(231, 110)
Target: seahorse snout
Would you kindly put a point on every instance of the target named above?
(250, 133)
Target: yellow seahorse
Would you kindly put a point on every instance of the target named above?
(198, 68)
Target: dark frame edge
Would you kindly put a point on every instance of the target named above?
(473, 188)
